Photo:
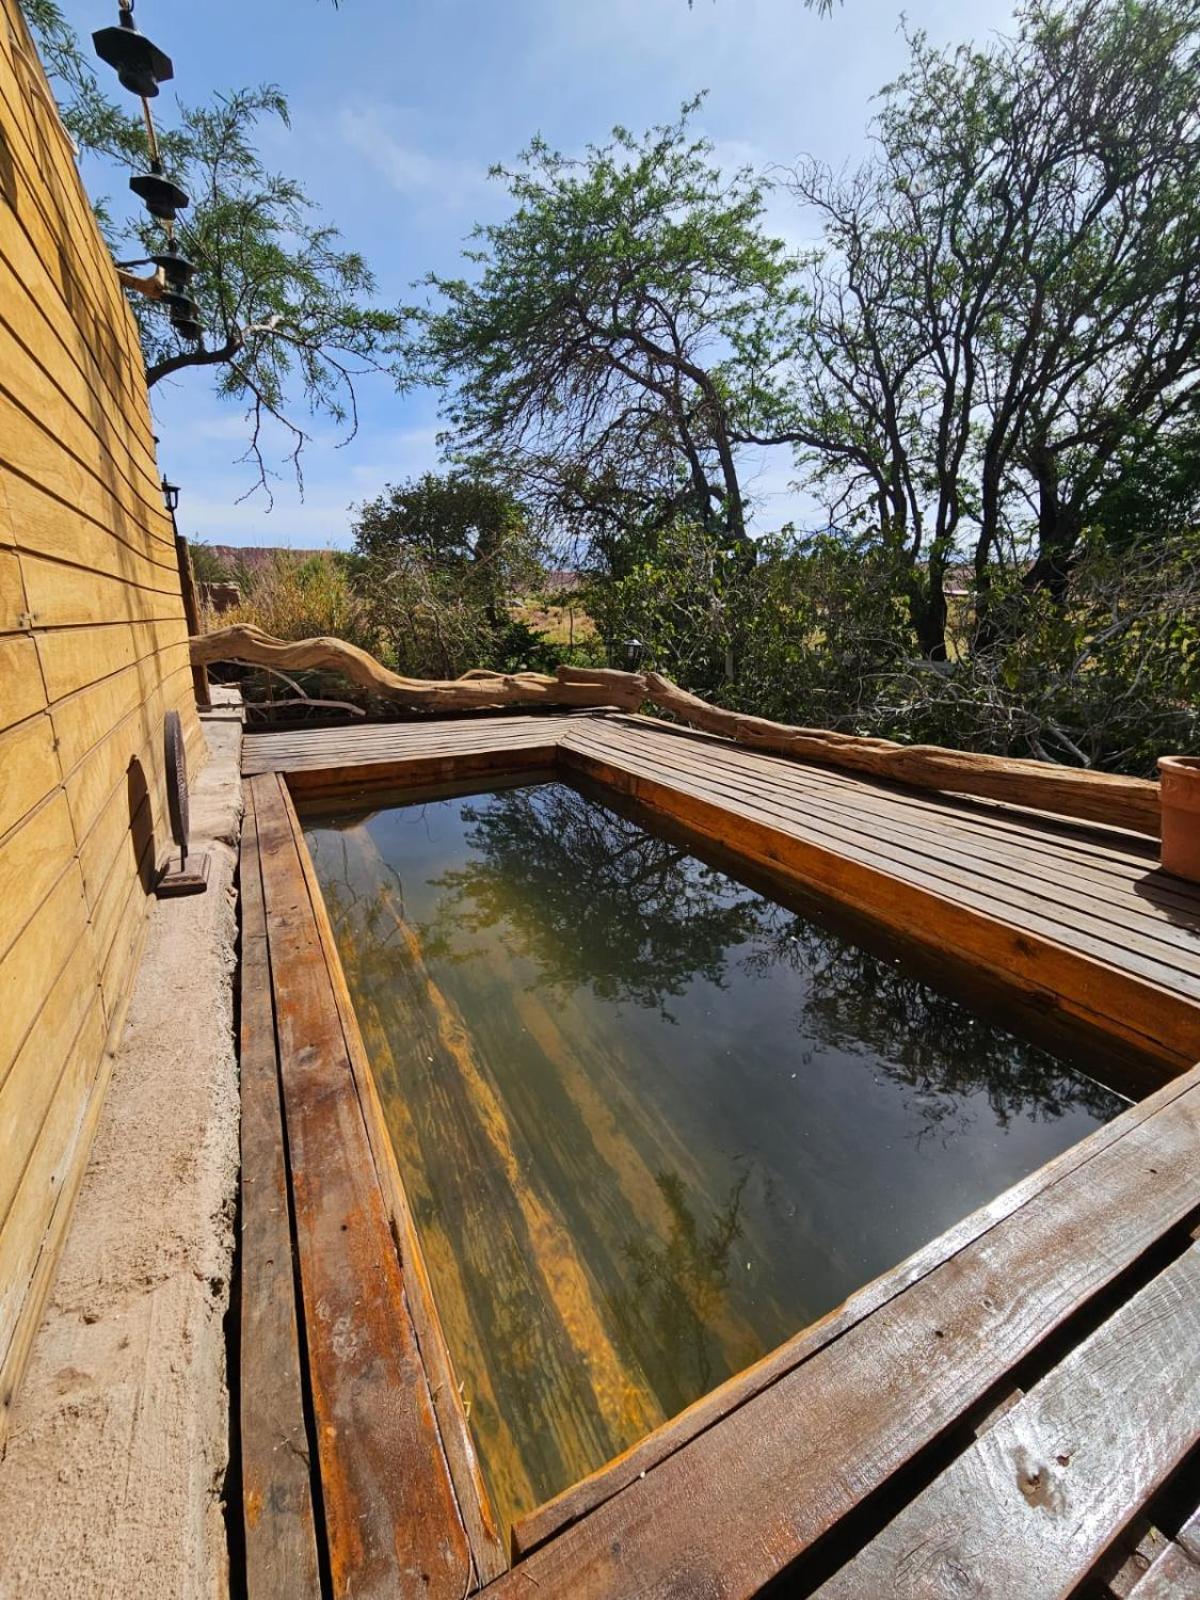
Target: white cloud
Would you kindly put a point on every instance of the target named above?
(374, 131)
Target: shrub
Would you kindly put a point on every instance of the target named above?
(303, 597)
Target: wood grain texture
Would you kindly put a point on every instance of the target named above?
(796, 1458)
(1172, 1575)
(1061, 960)
(333, 761)
(1026, 1513)
(1094, 796)
(479, 690)
(92, 653)
(277, 1504)
(391, 1517)
(488, 1549)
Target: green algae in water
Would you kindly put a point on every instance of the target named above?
(650, 1123)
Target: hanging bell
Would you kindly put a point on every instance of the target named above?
(188, 328)
(160, 195)
(175, 268)
(141, 66)
(181, 306)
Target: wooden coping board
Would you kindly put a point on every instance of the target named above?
(815, 1462)
(1077, 920)
(391, 1521)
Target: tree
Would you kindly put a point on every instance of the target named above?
(598, 354)
(1009, 300)
(472, 530)
(288, 312)
(440, 560)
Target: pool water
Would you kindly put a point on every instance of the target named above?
(650, 1123)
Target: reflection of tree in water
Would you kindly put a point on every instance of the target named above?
(921, 1038)
(365, 912)
(678, 1286)
(591, 897)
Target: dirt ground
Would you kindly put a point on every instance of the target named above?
(113, 1475)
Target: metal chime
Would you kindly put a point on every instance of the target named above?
(141, 67)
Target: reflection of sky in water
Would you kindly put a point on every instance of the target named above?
(739, 1115)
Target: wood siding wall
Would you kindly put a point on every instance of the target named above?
(92, 653)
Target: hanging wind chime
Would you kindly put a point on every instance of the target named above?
(141, 67)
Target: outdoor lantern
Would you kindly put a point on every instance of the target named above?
(170, 493)
(633, 650)
(160, 195)
(175, 268)
(141, 66)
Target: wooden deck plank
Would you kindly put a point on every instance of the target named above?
(986, 818)
(1172, 1575)
(1189, 1536)
(860, 826)
(300, 751)
(391, 1518)
(1125, 888)
(277, 1507)
(488, 1549)
(800, 1455)
(1145, 1003)
(1026, 1512)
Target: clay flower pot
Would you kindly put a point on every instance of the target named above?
(1180, 777)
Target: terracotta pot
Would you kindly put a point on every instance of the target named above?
(1180, 777)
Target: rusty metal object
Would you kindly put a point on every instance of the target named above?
(189, 877)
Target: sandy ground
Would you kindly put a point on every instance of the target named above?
(112, 1478)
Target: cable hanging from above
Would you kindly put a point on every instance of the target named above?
(141, 68)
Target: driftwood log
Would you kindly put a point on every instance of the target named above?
(475, 691)
(1066, 791)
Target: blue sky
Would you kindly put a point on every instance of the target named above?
(399, 109)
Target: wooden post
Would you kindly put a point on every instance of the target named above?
(191, 610)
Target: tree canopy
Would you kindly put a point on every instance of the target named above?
(1006, 315)
(596, 352)
(1000, 329)
(289, 314)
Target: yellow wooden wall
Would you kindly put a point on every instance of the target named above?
(92, 652)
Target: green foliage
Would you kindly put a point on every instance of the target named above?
(207, 565)
(457, 524)
(1007, 310)
(598, 349)
(442, 559)
(290, 324)
(819, 634)
(304, 597)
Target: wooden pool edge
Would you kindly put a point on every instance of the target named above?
(1158, 1024)
(393, 1232)
(395, 1487)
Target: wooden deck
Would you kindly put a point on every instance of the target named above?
(1014, 1411)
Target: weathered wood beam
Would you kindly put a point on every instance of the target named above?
(1069, 791)
(1103, 797)
(478, 690)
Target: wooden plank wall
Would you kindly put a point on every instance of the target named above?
(92, 652)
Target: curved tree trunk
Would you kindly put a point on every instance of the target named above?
(1094, 796)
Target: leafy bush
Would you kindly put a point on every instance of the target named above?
(302, 597)
(817, 632)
